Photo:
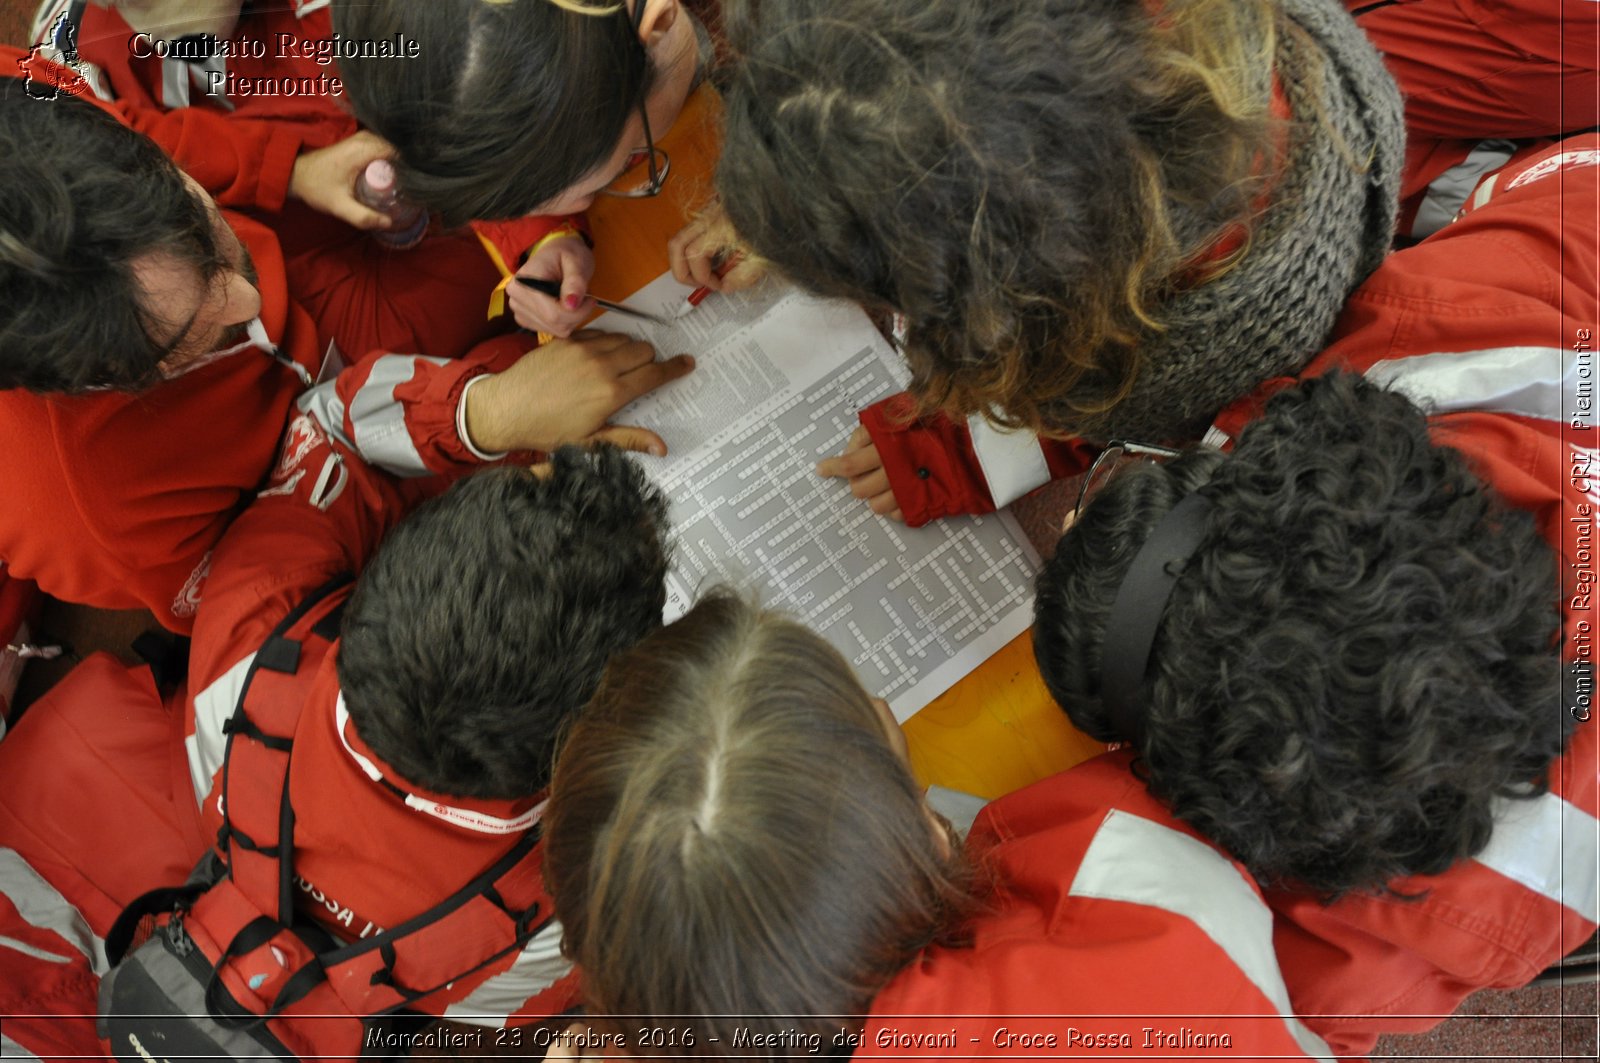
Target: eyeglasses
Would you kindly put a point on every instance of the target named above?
(646, 169)
(1119, 454)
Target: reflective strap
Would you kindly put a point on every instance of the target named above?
(213, 707)
(1138, 861)
(9, 1049)
(379, 420)
(1011, 460)
(323, 405)
(29, 950)
(1550, 846)
(40, 905)
(200, 73)
(1448, 192)
(1530, 381)
(537, 967)
(174, 84)
(1535, 382)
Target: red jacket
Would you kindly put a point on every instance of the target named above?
(240, 146)
(364, 860)
(101, 760)
(1112, 930)
(115, 499)
(1491, 325)
(95, 809)
(1489, 68)
(1481, 80)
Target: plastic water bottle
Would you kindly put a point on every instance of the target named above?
(379, 189)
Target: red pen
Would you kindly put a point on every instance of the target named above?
(698, 296)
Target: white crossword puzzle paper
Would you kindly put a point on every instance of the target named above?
(779, 378)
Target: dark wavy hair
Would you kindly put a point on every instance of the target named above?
(1024, 181)
(733, 843)
(488, 615)
(1360, 659)
(82, 198)
(508, 103)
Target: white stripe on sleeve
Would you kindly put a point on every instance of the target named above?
(379, 421)
(213, 706)
(1530, 381)
(539, 967)
(1136, 860)
(1550, 846)
(41, 905)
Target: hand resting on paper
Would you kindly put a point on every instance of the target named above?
(861, 465)
(566, 392)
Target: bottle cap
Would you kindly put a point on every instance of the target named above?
(380, 175)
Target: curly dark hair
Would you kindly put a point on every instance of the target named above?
(1025, 182)
(82, 198)
(506, 105)
(489, 614)
(1360, 658)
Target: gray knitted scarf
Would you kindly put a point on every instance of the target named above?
(1329, 224)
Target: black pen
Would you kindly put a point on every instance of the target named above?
(553, 290)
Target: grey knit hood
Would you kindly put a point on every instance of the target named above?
(1329, 225)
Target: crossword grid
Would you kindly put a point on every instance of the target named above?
(897, 602)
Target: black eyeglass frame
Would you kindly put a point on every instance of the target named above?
(658, 174)
(1114, 451)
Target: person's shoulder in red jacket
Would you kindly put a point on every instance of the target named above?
(132, 321)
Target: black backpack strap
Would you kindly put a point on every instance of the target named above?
(528, 922)
(156, 902)
(277, 653)
(481, 885)
(254, 934)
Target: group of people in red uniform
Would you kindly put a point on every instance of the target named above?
(1305, 293)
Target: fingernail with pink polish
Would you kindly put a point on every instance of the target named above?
(572, 302)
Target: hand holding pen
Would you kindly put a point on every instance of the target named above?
(552, 296)
(707, 253)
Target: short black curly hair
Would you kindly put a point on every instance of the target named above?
(1361, 656)
(488, 616)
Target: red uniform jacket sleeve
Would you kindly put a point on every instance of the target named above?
(240, 146)
(403, 412)
(1095, 887)
(240, 162)
(936, 471)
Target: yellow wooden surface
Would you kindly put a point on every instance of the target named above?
(997, 729)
